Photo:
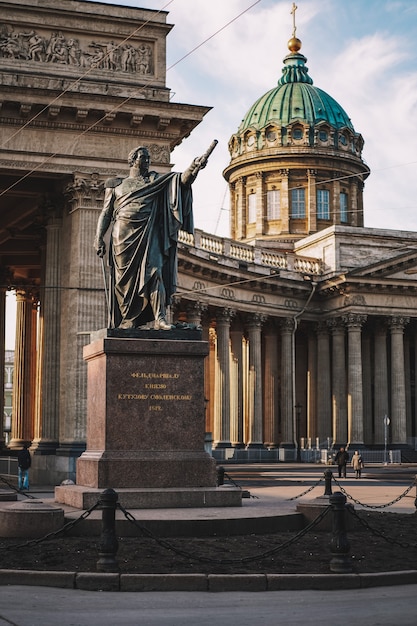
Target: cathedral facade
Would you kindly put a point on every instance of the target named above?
(310, 316)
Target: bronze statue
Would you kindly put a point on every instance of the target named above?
(147, 210)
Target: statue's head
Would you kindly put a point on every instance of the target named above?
(135, 154)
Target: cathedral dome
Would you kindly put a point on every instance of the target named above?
(296, 161)
(295, 98)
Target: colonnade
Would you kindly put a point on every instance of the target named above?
(345, 374)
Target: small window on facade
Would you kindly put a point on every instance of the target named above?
(271, 135)
(343, 140)
(251, 208)
(298, 204)
(251, 140)
(323, 135)
(297, 133)
(344, 208)
(273, 202)
(323, 209)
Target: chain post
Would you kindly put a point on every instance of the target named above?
(328, 477)
(108, 540)
(340, 562)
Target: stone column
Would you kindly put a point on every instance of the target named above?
(398, 399)
(407, 365)
(354, 323)
(83, 307)
(367, 388)
(46, 440)
(195, 312)
(324, 421)
(2, 360)
(287, 393)
(312, 386)
(222, 420)
(312, 201)
(339, 404)
(381, 404)
(260, 202)
(255, 396)
(24, 372)
(236, 389)
(285, 200)
(271, 386)
(239, 209)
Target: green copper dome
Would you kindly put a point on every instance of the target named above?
(295, 98)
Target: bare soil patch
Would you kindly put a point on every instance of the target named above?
(391, 545)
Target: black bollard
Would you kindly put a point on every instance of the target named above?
(220, 476)
(108, 540)
(339, 546)
(328, 476)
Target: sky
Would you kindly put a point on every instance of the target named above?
(361, 52)
(225, 54)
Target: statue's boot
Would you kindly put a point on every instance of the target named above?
(162, 324)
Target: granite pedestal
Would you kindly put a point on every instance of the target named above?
(146, 424)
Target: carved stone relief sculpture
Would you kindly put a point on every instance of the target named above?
(55, 48)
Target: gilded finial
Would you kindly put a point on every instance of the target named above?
(294, 44)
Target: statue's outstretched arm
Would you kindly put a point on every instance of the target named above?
(190, 174)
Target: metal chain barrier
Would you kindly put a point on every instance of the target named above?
(308, 490)
(374, 506)
(169, 546)
(378, 533)
(56, 533)
(234, 483)
(13, 488)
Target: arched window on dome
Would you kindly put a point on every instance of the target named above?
(273, 204)
(344, 215)
(297, 133)
(251, 208)
(298, 203)
(323, 204)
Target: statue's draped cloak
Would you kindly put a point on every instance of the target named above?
(144, 239)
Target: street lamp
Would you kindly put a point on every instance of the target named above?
(386, 424)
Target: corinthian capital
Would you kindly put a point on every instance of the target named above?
(354, 320)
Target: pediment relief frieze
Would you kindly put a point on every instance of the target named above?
(55, 48)
(403, 266)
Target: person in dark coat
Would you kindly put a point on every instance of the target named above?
(24, 462)
(341, 459)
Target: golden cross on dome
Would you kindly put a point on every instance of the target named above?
(293, 10)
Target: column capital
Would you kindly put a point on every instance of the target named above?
(255, 320)
(287, 324)
(196, 307)
(398, 322)
(84, 191)
(225, 315)
(354, 320)
(336, 325)
(322, 328)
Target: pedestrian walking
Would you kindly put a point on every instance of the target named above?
(24, 462)
(357, 464)
(341, 459)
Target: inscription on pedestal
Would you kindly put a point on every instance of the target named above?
(145, 415)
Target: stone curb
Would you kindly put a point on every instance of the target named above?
(92, 581)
